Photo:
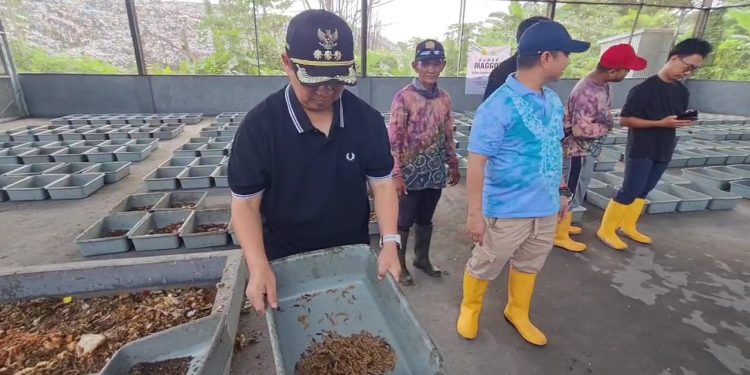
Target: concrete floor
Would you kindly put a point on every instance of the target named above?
(680, 306)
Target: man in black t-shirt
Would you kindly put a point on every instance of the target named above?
(303, 157)
(510, 65)
(650, 113)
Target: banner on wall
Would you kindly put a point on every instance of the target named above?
(481, 61)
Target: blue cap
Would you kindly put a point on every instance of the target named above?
(549, 36)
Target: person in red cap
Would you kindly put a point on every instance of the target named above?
(588, 121)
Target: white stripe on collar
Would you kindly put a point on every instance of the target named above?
(293, 115)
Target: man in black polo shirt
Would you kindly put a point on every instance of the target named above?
(302, 159)
(650, 112)
(510, 65)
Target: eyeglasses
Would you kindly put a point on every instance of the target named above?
(430, 52)
(690, 67)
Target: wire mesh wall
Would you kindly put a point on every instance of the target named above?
(230, 37)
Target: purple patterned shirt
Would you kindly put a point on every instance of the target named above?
(587, 117)
(421, 135)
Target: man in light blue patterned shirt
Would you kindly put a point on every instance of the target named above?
(515, 190)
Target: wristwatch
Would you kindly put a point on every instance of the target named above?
(565, 192)
(391, 238)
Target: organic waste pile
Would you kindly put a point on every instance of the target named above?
(78, 336)
(358, 354)
(174, 366)
(169, 229)
(207, 228)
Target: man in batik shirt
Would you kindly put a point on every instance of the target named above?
(421, 135)
(587, 121)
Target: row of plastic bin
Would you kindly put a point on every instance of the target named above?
(128, 118)
(187, 177)
(132, 151)
(51, 133)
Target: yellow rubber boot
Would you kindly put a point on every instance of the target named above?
(471, 306)
(629, 222)
(562, 236)
(520, 290)
(575, 230)
(607, 232)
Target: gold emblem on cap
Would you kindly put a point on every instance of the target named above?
(429, 45)
(328, 39)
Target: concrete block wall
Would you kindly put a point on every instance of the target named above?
(51, 95)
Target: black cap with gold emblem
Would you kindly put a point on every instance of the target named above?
(320, 46)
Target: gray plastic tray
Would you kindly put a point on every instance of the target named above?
(215, 149)
(6, 181)
(660, 202)
(340, 288)
(166, 133)
(222, 139)
(8, 168)
(720, 199)
(164, 178)
(741, 187)
(76, 186)
(77, 168)
(40, 155)
(70, 143)
(200, 140)
(133, 153)
(604, 164)
(713, 157)
(73, 154)
(578, 213)
(221, 176)
(189, 150)
(608, 178)
(176, 199)
(600, 196)
(52, 135)
(179, 162)
(37, 169)
(95, 239)
(159, 219)
(32, 188)
(11, 155)
(197, 177)
(194, 240)
(153, 142)
(136, 203)
(209, 160)
(121, 142)
(694, 159)
(737, 169)
(24, 136)
(665, 178)
(103, 154)
(711, 178)
(690, 200)
(94, 143)
(99, 134)
(594, 183)
(76, 134)
(115, 171)
(121, 133)
(736, 155)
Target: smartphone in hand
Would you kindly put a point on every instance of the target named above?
(689, 114)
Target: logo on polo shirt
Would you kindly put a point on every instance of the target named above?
(350, 156)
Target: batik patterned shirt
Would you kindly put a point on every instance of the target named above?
(587, 117)
(421, 135)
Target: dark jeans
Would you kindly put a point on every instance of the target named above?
(417, 206)
(641, 176)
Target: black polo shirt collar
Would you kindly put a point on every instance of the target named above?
(299, 118)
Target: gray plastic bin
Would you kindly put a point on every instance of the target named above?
(97, 239)
(202, 140)
(660, 202)
(11, 155)
(337, 290)
(52, 135)
(221, 176)
(189, 150)
(578, 213)
(600, 196)
(104, 154)
(37, 169)
(78, 168)
(76, 134)
(32, 188)
(99, 134)
(736, 155)
(121, 133)
(138, 203)
(167, 133)
(690, 199)
(142, 241)
(737, 169)
(133, 153)
(73, 154)
(7, 181)
(609, 179)
(604, 164)
(179, 162)
(209, 160)
(215, 149)
(711, 178)
(153, 142)
(741, 187)
(713, 157)
(115, 171)
(720, 199)
(9, 168)
(694, 159)
(196, 240)
(196, 177)
(164, 178)
(40, 155)
(76, 186)
(182, 200)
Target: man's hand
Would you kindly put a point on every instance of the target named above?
(388, 261)
(564, 208)
(674, 122)
(454, 176)
(262, 288)
(475, 228)
(400, 186)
